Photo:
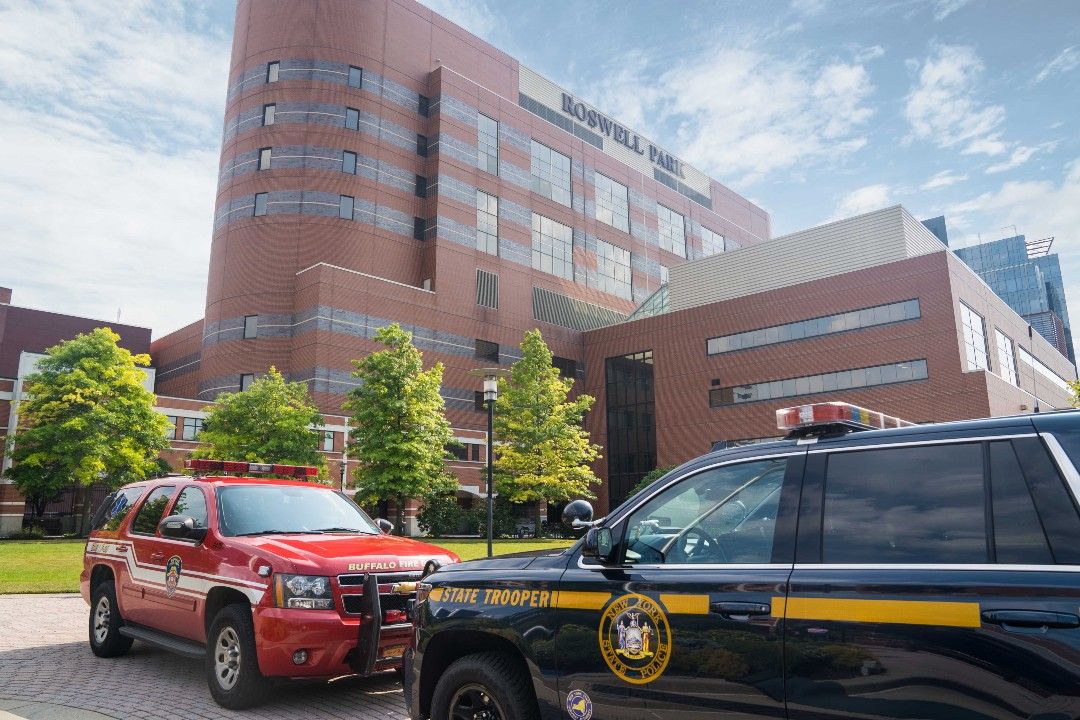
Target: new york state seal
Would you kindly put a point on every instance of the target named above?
(635, 639)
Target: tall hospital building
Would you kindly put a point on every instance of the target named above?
(380, 164)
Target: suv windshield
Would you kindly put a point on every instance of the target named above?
(278, 509)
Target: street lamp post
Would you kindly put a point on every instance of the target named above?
(491, 393)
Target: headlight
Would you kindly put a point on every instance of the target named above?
(309, 592)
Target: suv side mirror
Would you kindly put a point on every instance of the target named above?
(385, 526)
(599, 544)
(182, 527)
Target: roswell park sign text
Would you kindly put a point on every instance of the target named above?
(609, 128)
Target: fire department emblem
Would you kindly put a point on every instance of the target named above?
(635, 639)
(172, 574)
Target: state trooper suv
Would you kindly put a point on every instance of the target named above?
(913, 572)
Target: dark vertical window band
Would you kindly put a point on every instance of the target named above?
(486, 350)
(423, 106)
(352, 119)
(268, 114)
(421, 186)
(356, 77)
(631, 422)
(421, 145)
(348, 162)
(272, 71)
(260, 204)
(418, 228)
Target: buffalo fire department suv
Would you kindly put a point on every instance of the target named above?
(262, 578)
(925, 572)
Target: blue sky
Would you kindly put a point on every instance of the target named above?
(813, 109)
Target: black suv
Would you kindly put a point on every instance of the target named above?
(919, 572)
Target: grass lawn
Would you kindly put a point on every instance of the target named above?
(42, 566)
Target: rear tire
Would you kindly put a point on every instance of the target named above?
(490, 682)
(232, 664)
(105, 622)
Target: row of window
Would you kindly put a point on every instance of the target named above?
(551, 177)
(352, 122)
(826, 382)
(355, 80)
(194, 426)
(815, 327)
(346, 211)
(348, 166)
(977, 353)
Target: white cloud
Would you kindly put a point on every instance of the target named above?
(868, 53)
(863, 200)
(945, 8)
(807, 7)
(111, 140)
(740, 113)
(945, 178)
(941, 108)
(1019, 156)
(1068, 59)
(476, 16)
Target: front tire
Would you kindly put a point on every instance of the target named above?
(105, 622)
(232, 665)
(489, 684)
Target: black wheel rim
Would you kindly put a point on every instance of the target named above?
(475, 702)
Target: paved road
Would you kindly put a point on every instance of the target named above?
(47, 670)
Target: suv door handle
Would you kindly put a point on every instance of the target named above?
(1030, 618)
(739, 610)
(157, 556)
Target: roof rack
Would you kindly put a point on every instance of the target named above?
(831, 418)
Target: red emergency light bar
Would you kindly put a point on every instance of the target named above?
(245, 468)
(835, 413)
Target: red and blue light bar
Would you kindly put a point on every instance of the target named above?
(836, 413)
(246, 468)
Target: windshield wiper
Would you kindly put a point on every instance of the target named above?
(276, 532)
(342, 530)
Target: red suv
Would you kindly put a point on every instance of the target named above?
(260, 578)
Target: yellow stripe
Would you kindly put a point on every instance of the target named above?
(575, 600)
(686, 604)
(904, 612)
(436, 594)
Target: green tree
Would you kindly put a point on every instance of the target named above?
(273, 421)
(1074, 390)
(543, 453)
(399, 431)
(654, 474)
(86, 419)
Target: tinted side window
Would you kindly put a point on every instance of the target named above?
(192, 502)
(1053, 501)
(1018, 533)
(115, 508)
(905, 505)
(724, 515)
(149, 515)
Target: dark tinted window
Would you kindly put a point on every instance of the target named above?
(192, 502)
(152, 510)
(115, 508)
(418, 228)
(486, 350)
(1057, 510)
(423, 106)
(905, 505)
(421, 186)
(479, 404)
(421, 145)
(1018, 533)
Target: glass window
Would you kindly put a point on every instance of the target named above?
(458, 451)
(479, 404)
(245, 381)
(170, 432)
(487, 223)
(613, 269)
(421, 145)
(192, 503)
(827, 382)
(352, 119)
(421, 187)
(1037, 365)
(486, 350)
(192, 428)
(974, 339)
(475, 452)
(272, 71)
(552, 247)
(612, 202)
(487, 144)
(905, 505)
(664, 274)
(418, 228)
(672, 229)
(328, 440)
(1018, 532)
(345, 207)
(1006, 359)
(711, 243)
(356, 77)
(265, 155)
(348, 162)
(260, 204)
(152, 510)
(550, 173)
(267, 509)
(423, 105)
(115, 508)
(723, 515)
(631, 422)
(251, 326)
(269, 111)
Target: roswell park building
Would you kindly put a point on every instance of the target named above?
(380, 164)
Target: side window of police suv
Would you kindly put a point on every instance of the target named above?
(722, 515)
(115, 507)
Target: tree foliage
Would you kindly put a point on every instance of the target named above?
(1074, 391)
(86, 418)
(273, 421)
(399, 431)
(542, 452)
(649, 477)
